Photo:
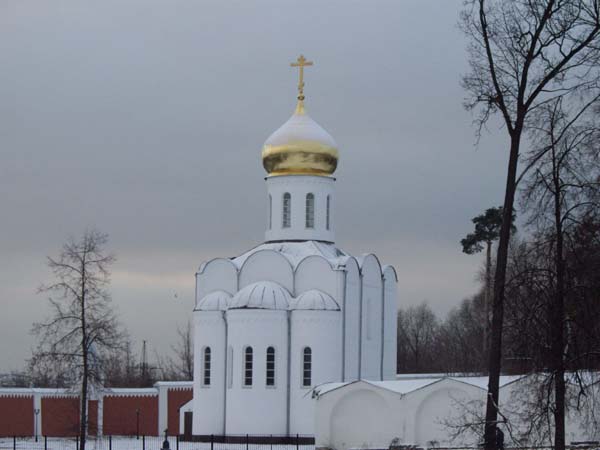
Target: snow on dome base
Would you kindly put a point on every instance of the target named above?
(215, 301)
(315, 300)
(262, 295)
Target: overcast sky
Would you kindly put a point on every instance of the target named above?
(145, 119)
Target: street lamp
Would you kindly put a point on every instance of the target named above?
(137, 422)
(36, 411)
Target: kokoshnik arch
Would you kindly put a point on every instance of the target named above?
(294, 312)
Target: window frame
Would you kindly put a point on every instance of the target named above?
(328, 207)
(286, 210)
(270, 379)
(309, 211)
(307, 367)
(248, 367)
(206, 366)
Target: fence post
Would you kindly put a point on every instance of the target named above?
(143, 442)
(297, 441)
(77, 443)
(45, 442)
(246, 442)
(212, 442)
(271, 442)
(14, 443)
(109, 442)
(176, 442)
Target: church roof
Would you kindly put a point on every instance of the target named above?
(295, 252)
(315, 300)
(262, 295)
(215, 301)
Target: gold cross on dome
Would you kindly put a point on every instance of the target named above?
(301, 63)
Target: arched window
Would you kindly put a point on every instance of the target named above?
(206, 367)
(327, 215)
(270, 211)
(310, 210)
(270, 381)
(248, 366)
(306, 367)
(287, 210)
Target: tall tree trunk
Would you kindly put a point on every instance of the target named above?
(558, 316)
(84, 355)
(487, 298)
(495, 352)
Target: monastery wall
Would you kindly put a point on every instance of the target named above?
(112, 412)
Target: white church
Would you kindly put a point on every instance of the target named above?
(296, 336)
(294, 312)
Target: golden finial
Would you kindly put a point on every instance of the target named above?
(301, 63)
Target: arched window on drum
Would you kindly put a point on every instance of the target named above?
(310, 211)
(287, 210)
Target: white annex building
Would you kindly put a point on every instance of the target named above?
(294, 312)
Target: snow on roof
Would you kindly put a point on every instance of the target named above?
(315, 299)
(404, 386)
(262, 295)
(295, 252)
(407, 383)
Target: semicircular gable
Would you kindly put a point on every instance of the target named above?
(267, 265)
(389, 273)
(371, 270)
(315, 272)
(218, 274)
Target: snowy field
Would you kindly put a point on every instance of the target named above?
(128, 443)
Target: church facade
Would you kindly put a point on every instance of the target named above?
(294, 312)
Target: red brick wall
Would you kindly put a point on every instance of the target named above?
(60, 416)
(16, 416)
(175, 399)
(93, 417)
(119, 415)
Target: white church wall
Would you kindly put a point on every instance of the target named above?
(209, 331)
(298, 186)
(390, 322)
(437, 406)
(358, 415)
(315, 272)
(371, 323)
(351, 310)
(267, 265)
(217, 274)
(257, 409)
(321, 332)
(361, 415)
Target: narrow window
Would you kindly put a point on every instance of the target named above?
(270, 366)
(230, 367)
(310, 211)
(248, 366)
(270, 211)
(287, 210)
(327, 215)
(206, 368)
(306, 367)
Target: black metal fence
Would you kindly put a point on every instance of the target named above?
(208, 442)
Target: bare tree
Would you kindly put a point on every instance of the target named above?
(560, 191)
(417, 329)
(82, 325)
(181, 366)
(522, 55)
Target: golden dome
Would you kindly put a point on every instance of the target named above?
(300, 147)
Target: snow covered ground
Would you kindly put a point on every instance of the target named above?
(131, 443)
